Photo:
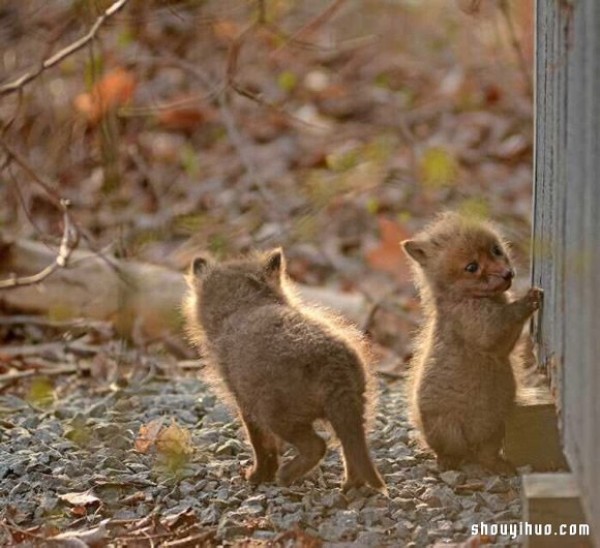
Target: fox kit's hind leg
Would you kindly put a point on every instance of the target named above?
(445, 436)
(311, 449)
(346, 415)
(488, 454)
(264, 445)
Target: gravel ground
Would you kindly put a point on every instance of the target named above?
(85, 443)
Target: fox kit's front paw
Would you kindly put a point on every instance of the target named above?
(534, 297)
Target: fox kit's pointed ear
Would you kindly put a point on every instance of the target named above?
(275, 263)
(199, 266)
(416, 250)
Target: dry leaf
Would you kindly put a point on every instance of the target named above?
(184, 118)
(388, 256)
(181, 118)
(438, 167)
(226, 30)
(174, 440)
(80, 499)
(147, 435)
(476, 541)
(112, 91)
(96, 536)
(79, 511)
(299, 538)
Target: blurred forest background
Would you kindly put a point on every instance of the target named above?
(332, 129)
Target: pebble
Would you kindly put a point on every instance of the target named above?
(63, 449)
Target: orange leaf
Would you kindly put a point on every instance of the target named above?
(226, 30)
(113, 90)
(388, 255)
(147, 435)
(184, 118)
(79, 511)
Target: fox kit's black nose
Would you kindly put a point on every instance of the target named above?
(508, 274)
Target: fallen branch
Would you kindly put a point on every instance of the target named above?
(8, 378)
(20, 82)
(136, 297)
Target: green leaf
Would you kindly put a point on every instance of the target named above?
(287, 81)
(439, 168)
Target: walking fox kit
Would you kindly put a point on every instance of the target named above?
(284, 364)
(463, 385)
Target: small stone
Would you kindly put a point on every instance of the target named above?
(120, 442)
(420, 536)
(431, 497)
(260, 500)
(229, 528)
(64, 412)
(403, 529)
(218, 414)
(470, 487)
(406, 461)
(230, 447)
(505, 515)
(107, 430)
(402, 503)
(334, 499)
(209, 516)
(369, 539)
(452, 477)
(373, 516)
(19, 488)
(334, 532)
(263, 535)
(289, 521)
(31, 422)
(292, 507)
(497, 484)
(98, 410)
(494, 502)
(113, 463)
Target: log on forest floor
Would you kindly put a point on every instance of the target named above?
(139, 298)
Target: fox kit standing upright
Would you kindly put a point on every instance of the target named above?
(285, 365)
(463, 385)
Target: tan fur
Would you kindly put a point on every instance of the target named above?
(462, 385)
(285, 365)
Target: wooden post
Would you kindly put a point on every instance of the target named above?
(532, 436)
(552, 502)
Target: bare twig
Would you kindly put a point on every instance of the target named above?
(13, 155)
(262, 12)
(516, 44)
(40, 321)
(20, 82)
(69, 242)
(314, 24)
(9, 378)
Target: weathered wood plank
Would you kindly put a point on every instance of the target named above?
(566, 218)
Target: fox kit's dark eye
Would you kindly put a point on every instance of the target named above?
(497, 250)
(472, 267)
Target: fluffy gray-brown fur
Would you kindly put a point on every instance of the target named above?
(284, 365)
(463, 385)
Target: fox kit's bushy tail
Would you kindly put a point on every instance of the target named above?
(346, 413)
